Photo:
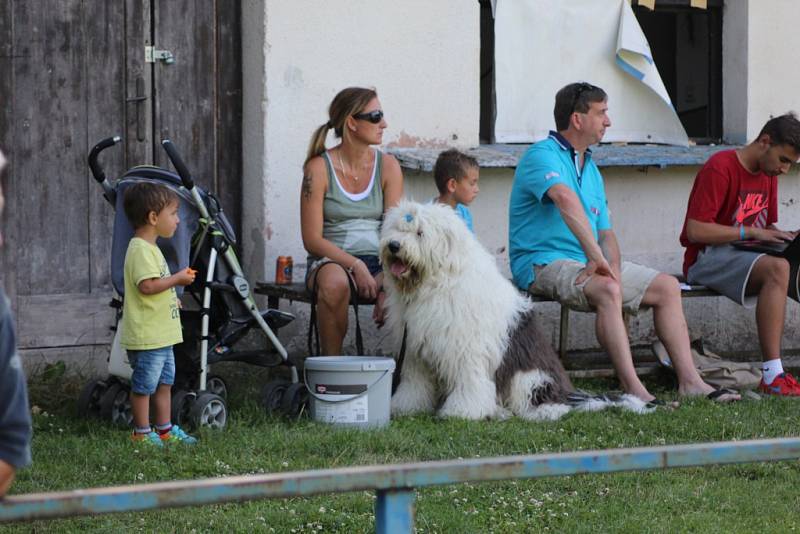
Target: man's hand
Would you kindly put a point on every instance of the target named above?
(617, 270)
(769, 234)
(600, 267)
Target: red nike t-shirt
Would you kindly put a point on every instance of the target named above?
(724, 192)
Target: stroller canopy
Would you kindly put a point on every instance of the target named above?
(176, 250)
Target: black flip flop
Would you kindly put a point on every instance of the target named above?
(658, 403)
(717, 393)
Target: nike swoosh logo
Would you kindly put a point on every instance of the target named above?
(752, 205)
(744, 214)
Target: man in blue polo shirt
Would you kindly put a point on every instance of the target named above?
(562, 245)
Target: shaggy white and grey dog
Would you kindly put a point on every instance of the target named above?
(473, 349)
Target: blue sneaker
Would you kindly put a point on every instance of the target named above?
(177, 435)
(148, 441)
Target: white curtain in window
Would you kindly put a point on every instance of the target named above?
(543, 45)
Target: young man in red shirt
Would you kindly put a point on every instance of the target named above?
(734, 197)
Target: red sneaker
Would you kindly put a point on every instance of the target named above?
(784, 384)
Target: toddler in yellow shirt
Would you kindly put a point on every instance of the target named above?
(151, 322)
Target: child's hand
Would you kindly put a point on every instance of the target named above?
(185, 277)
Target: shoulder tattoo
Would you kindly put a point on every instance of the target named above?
(307, 186)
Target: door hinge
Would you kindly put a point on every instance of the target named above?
(151, 55)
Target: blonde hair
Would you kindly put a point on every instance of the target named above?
(346, 103)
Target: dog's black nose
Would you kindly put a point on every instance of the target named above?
(394, 246)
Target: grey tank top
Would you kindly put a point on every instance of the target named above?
(352, 222)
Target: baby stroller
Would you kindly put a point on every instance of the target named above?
(220, 312)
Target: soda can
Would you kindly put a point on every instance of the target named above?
(283, 270)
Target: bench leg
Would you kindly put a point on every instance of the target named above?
(273, 302)
(563, 333)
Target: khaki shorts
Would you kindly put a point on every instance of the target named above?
(557, 281)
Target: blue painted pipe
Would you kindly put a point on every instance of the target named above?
(394, 483)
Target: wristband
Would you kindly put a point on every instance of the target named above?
(741, 232)
(353, 266)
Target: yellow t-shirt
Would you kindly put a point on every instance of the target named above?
(148, 321)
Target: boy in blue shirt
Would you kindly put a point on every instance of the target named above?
(151, 322)
(456, 176)
(562, 245)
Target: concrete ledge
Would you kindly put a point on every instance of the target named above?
(611, 155)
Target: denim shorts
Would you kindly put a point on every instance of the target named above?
(150, 368)
(372, 262)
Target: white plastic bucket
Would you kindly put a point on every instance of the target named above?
(350, 390)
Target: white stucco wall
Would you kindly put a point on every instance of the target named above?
(421, 56)
(423, 59)
(772, 74)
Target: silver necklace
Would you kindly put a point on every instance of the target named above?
(341, 162)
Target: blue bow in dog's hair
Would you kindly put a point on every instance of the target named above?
(409, 217)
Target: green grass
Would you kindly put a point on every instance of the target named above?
(70, 453)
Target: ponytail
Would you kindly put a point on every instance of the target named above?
(317, 145)
(347, 102)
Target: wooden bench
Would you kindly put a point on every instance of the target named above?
(563, 329)
(296, 292)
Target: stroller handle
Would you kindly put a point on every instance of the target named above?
(176, 160)
(97, 171)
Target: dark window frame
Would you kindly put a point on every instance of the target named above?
(488, 102)
(715, 133)
(713, 124)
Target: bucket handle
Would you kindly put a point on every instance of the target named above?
(354, 397)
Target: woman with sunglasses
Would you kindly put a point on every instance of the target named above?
(345, 192)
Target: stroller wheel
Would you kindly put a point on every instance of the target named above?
(181, 402)
(89, 399)
(108, 400)
(294, 400)
(121, 412)
(216, 385)
(208, 410)
(272, 395)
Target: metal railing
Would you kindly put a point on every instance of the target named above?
(395, 484)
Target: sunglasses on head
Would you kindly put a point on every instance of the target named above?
(373, 116)
(582, 88)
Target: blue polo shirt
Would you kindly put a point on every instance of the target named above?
(537, 235)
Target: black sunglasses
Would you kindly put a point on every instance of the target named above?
(373, 116)
(582, 88)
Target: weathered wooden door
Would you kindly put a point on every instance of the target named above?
(71, 73)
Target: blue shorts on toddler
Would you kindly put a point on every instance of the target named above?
(151, 367)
